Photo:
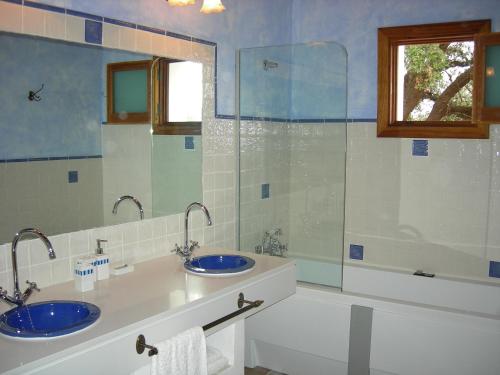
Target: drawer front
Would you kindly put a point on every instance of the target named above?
(117, 354)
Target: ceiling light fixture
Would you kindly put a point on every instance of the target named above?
(180, 3)
(212, 6)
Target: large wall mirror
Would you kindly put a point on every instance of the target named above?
(62, 163)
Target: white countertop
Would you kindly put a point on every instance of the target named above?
(156, 288)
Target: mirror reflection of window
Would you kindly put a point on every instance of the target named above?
(184, 91)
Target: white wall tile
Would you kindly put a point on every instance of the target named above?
(55, 25)
(10, 17)
(127, 38)
(143, 42)
(75, 29)
(110, 35)
(33, 21)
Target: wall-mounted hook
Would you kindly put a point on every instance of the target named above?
(33, 95)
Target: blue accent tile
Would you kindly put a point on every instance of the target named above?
(13, 1)
(93, 32)
(120, 23)
(225, 117)
(50, 8)
(73, 177)
(265, 193)
(356, 252)
(16, 160)
(420, 147)
(178, 36)
(151, 29)
(202, 41)
(58, 158)
(189, 143)
(94, 157)
(38, 159)
(494, 269)
(83, 15)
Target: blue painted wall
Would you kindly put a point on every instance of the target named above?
(245, 23)
(66, 122)
(354, 23)
(306, 81)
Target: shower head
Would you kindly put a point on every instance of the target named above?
(268, 64)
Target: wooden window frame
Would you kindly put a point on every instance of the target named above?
(132, 117)
(161, 125)
(389, 38)
(479, 111)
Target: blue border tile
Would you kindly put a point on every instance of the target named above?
(203, 41)
(50, 8)
(20, 2)
(420, 147)
(178, 36)
(265, 191)
(494, 270)
(72, 177)
(189, 143)
(93, 32)
(120, 23)
(84, 15)
(50, 158)
(151, 29)
(356, 252)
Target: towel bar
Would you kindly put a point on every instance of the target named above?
(140, 343)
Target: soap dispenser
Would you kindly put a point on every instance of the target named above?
(101, 262)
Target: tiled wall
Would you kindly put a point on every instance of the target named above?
(304, 165)
(136, 241)
(40, 192)
(437, 213)
(264, 159)
(126, 167)
(127, 243)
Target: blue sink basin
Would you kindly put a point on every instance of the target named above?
(48, 319)
(219, 265)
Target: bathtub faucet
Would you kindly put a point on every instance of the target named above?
(272, 245)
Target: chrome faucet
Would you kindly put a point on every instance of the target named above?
(133, 199)
(186, 251)
(19, 298)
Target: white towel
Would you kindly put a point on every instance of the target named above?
(216, 362)
(184, 354)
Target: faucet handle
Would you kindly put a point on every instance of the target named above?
(3, 292)
(194, 245)
(32, 285)
(177, 249)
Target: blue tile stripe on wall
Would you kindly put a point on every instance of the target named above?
(51, 158)
(113, 21)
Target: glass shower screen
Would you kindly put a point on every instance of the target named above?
(292, 141)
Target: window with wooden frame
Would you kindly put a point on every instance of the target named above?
(129, 92)
(425, 81)
(177, 97)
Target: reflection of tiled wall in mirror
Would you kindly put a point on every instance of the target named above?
(217, 145)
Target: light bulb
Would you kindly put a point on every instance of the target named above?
(212, 6)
